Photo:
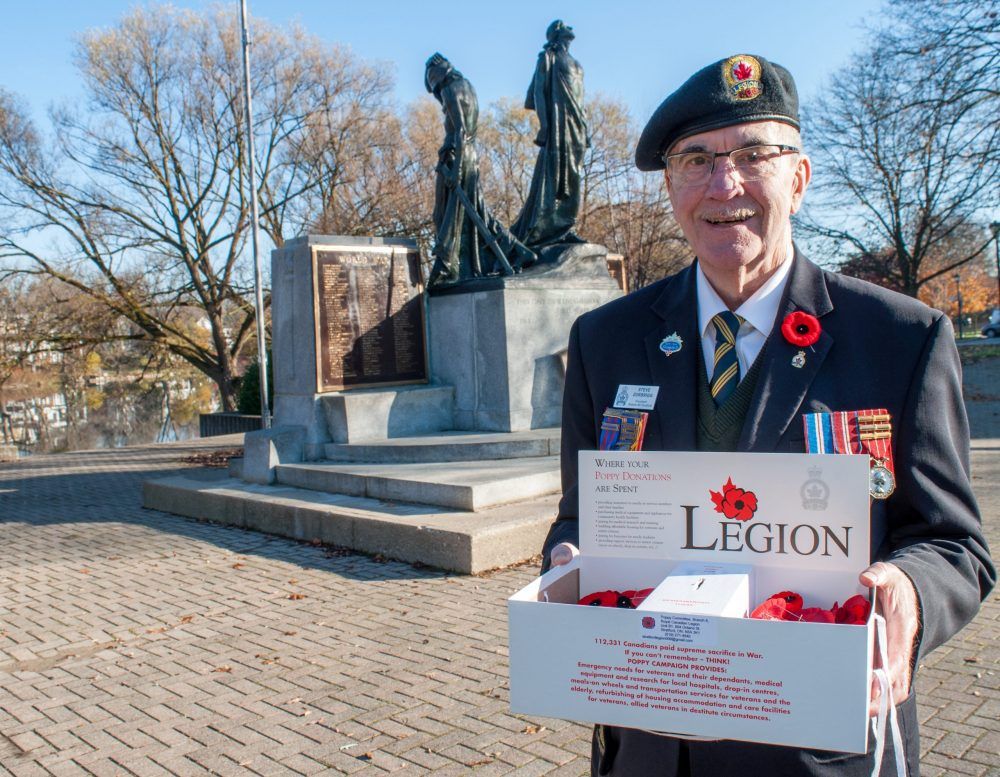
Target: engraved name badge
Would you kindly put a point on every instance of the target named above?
(636, 397)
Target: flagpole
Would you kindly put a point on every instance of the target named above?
(258, 283)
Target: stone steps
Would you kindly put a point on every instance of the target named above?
(457, 540)
(461, 485)
(449, 446)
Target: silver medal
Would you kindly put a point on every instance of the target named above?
(881, 482)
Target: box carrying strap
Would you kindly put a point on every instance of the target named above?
(886, 709)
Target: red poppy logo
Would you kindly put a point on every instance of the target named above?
(742, 71)
(734, 503)
(648, 622)
(801, 329)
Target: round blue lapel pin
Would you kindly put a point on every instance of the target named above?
(671, 344)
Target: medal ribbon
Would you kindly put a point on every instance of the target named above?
(610, 430)
(874, 433)
(851, 432)
(819, 432)
(845, 433)
(622, 430)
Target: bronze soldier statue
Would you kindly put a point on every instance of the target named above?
(464, 226)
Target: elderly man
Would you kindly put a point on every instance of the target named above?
(732, 378)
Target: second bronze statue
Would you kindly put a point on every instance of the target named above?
(556, 95)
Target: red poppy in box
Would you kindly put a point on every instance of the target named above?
(787, 606)
(607, 599)
(816, 615)
(626, 600)
(783, 606)
(734, 503)
(854, 611)
(638, 597)
(801, 329)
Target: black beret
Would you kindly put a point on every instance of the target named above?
(731, 91)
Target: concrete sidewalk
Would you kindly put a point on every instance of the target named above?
(136, 642)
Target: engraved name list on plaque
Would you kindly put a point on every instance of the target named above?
(369, 317)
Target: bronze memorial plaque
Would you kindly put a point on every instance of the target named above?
(369, 317)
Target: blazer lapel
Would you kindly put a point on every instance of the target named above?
(781, 386)
(676, 406)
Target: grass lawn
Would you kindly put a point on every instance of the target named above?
(972, 355)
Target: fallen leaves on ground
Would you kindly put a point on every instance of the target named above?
(219, 458)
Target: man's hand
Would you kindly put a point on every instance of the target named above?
(896, 600)
(563, 553)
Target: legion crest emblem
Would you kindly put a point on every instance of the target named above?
(742, 74)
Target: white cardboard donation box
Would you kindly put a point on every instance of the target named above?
(796, 522)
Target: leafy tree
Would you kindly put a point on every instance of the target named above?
(249, 395)
(624, 209)
(906, 143)
(138, 199)
(621, 208)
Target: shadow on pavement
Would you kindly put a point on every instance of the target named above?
(106, 487)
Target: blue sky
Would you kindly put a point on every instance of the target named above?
(632, 50)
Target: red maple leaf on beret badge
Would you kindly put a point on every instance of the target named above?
(742, 71)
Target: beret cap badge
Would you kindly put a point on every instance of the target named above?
(742, 75)
(735, 90)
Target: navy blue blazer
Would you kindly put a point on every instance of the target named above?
(877, 349)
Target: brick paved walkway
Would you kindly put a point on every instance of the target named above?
(135, 642)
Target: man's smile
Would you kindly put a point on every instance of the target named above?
(730, 216)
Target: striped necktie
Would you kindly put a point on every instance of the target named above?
(726, 373)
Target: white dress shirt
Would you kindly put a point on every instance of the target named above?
(758, 314)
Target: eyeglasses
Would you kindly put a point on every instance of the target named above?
(753, 163)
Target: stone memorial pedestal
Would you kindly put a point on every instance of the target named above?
(353, 321)
(501, 342)
(461, 472)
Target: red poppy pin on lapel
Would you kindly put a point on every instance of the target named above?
(800, 329)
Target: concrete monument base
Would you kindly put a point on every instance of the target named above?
(378, 414)
(501, 341)
(461, 473)
(462, 501)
